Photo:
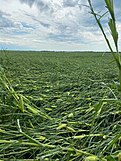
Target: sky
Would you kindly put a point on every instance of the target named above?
(54, 25)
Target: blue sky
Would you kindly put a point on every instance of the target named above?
(53, 25)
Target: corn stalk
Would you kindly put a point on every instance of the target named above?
(113, 30)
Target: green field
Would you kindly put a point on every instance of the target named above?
(59, 106)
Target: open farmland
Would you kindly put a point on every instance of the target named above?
(59, 106)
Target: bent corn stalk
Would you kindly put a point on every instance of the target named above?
(113, 31)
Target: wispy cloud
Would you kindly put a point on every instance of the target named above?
(5, 20)
(70, 3)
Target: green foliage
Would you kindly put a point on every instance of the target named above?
(59, 106)
(114, 33)
(113, 29)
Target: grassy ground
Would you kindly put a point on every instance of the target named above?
(59, 106)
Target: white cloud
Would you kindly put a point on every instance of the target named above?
(50, 25)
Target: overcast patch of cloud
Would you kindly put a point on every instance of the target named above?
(70, 3)
(9, 27)
(5, 20)
(42, 5)
(29, 2)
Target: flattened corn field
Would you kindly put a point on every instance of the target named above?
(59, 106)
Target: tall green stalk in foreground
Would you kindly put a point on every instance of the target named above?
(113, 30)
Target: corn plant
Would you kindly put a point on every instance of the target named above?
(113, 31)
(20, 101)
(116, 53)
